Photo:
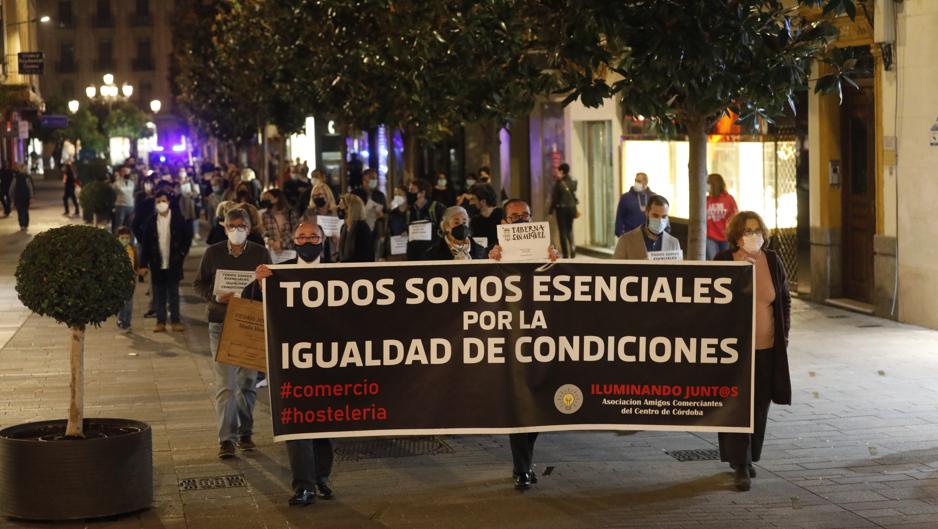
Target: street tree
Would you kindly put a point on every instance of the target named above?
(684, 65)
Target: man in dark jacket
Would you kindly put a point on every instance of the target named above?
(166, 239)
(310, 459)
(6, 180)
(21, 191)
(630, 213)
(563, 204)
(422, 210)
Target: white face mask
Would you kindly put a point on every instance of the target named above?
(237, 237)
(397, 201)
(162, 207)
(638, 187)
(752, 244)
(657, 225)
(441, 182)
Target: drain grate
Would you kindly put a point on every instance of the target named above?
(838, 316)
(214, 482)
(869, 325)
(383, 447)
(707, 454)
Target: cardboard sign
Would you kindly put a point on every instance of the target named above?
(523, 241)
(329, 225)
(420, 231)
(232, 281)
(277, 257)
(481, 241)
(242, 341)
(399, 244)
(671, 255)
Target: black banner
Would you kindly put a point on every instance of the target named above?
(484, 347)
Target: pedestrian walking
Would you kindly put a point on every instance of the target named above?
(652, 236)
(22, 192)
(746, 234)
(310, 459)
(454, 241)
(721, 206)
(126, 313)
(167, 238)
(124, 189)
(69, 183)
(6, 180)
(630, 213)
(235, 394)
(563, 204)
(355, 241)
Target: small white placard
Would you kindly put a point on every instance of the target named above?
(329, 225)
(278, 257)
(420, 231)
(232, 281)
(671, 255)
(399, 244)
(526, 240)
(481, 241)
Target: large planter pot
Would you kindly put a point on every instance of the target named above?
(46, 477)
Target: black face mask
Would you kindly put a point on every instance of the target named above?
(308, 251)
(460, 233)
(341, 214)
(265, 204)
(411, 198)
(320, 202)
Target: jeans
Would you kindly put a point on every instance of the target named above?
(164, 292)
(122, 216)
(743, 448)
(22, 214)
(565, 217)
(235, 396)
(714, 247)
(126, 313)
(70, 195)
(522, 451)
(310, 462)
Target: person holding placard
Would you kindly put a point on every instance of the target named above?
(310, 459)
(235, 396)
(518, 211)
(454, 242)
(423, 217)
(650, 241)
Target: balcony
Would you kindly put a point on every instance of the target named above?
(66, 67)
(143, 64)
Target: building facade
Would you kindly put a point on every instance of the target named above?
(20, 97)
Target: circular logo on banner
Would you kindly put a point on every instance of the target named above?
(568, 399)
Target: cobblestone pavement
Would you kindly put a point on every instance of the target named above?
(859, 448)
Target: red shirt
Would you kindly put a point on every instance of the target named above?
(720, 210)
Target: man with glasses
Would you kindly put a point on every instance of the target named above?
(235, 396)
(310, 459)
(518, 211)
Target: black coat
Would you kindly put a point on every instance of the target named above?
(781, 377)
(357, 245)
(180, 239)
(440, 251)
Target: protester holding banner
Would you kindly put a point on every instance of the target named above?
(746, 235)
(423, 217)
(235, 396)
(454, 242)
(518, 211)
(310, 459)
(356, 244)
(651, 238)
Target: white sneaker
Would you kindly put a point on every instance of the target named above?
(261, 384)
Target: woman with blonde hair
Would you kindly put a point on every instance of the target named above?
(355, 243)
(321, 200)
(746, 235)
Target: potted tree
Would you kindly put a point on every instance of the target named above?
(75, 468)
(97, 201)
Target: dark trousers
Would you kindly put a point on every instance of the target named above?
(70, 195)
(5, 199)
(166, 292)
(310, 462)
(22, 214)
(522, 451)
(743, 448)
(565, 218)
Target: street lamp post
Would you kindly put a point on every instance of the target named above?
(73, 106)
(155, 106)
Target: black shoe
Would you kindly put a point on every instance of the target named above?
(741, 479)
(523, 481)
(246, 444)
(149, 314)
(325, 491)
(302, 497)
(226, 450)
(752, 471)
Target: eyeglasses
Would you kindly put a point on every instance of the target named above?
(241, 228)
(315, 239)
(753, 232)
(519, 217)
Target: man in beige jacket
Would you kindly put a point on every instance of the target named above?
(651, 236)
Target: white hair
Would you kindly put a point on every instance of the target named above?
(247, 174)
(448, 214)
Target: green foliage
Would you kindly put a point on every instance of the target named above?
(92, 170)
(83, 125)
(77, 275)
(97, 198)
(125, 120)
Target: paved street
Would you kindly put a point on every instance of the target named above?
(859, 448)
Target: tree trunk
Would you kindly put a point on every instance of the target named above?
(76, 405)
(697, 180)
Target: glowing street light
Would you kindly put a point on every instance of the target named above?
(156, 105)
(90, 91)
(73, 106)
(127, 90)
(44, 19)
(108, 79)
